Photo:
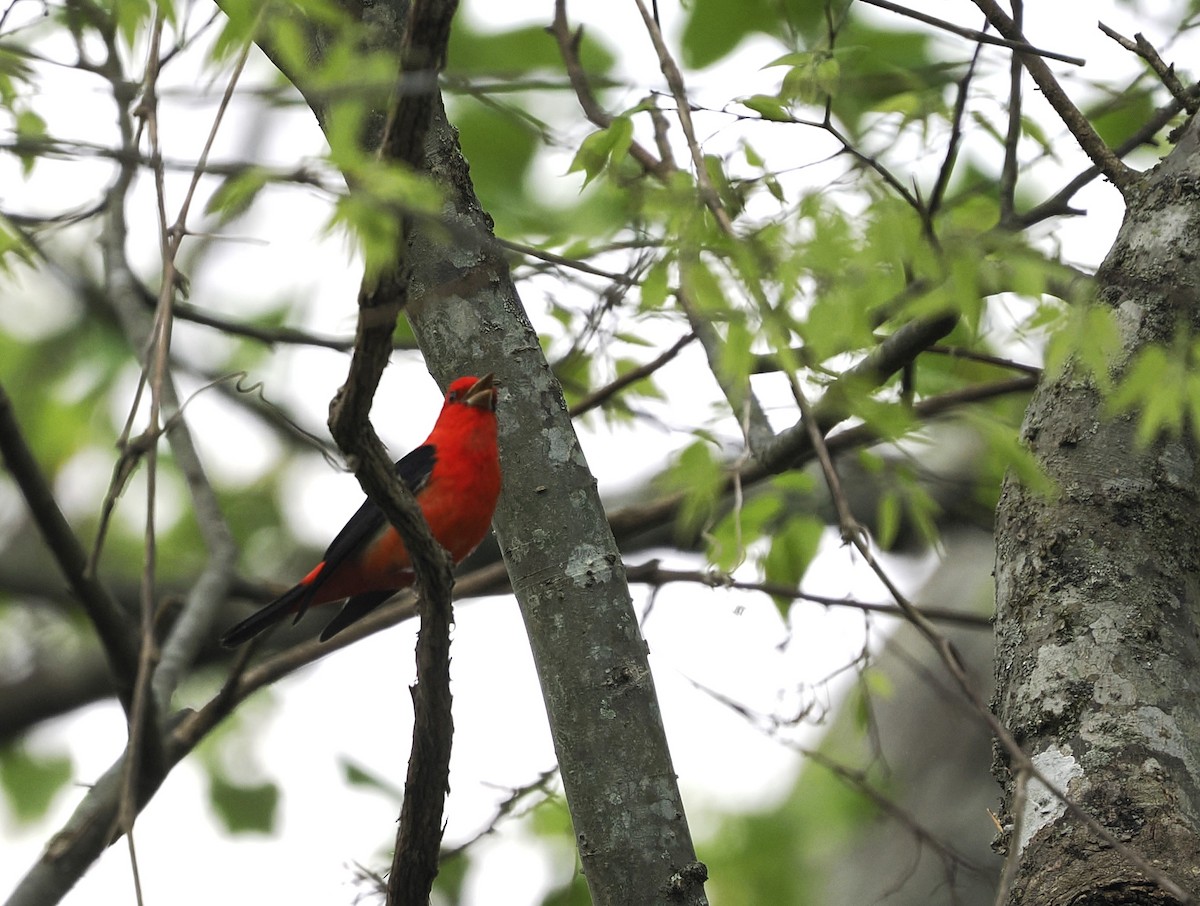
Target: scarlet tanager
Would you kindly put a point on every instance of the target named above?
(455, 477)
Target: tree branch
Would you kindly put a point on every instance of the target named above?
(111, 622)
(381, 298)
(1118, 172)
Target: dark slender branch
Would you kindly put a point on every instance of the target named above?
(1058, 203)
(1016, 44)
(632, 520)
(1118, 172)
(868, 161)
(602, 395)
(1012, 139)
(381, 298)
(1166, 73)
(268, 335)
(938, 192)
(652, 573)
(884, 360)
(112, 624)
(550, 257)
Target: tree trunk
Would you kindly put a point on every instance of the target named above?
(1098, 594)
(630, 829)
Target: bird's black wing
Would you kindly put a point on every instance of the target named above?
(414, 470)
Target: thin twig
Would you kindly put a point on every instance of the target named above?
(853, 533)
(601, 395)
(1118, 172)
(110, 621)
(1012, 139)
(683, 109)
(568, 46)
(980, 37)
(652, 573)
(938, 193)
(1166, 73)
(573, 263)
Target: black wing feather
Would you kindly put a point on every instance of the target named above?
(414, 470)
(354, 610)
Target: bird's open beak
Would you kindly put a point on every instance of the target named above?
(482, 394)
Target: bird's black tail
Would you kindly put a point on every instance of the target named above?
(291, 601)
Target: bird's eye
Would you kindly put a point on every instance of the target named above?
(453, 396)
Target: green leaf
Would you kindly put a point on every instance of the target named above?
(887, 519)
(739, 529)
(236, 193)
(30, 127)
(714, 28)
(13, 248)
(769, 107)
(357, 775)
(700, 476)
(601, 148)
(1119, 116)
(703, 289)
(519, 51)
(1088, 340)
(131, 18)
(30, 782)
(792, 549)
(243, 809)
(1155, 386)
(655, 286)
(501, 147)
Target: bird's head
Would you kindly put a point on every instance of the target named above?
(478, 393)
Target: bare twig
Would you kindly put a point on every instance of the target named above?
(1166, 73)
(971, 34)
(568, 46)
(575, 264)
(937, 194)
(111, 622)
(1118, 172)
(1059, 203)
(600, 396)
(652, 573)
(683, 109)
(1012, 138)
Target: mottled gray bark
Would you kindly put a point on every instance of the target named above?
(1098, 594)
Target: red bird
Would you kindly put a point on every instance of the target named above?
(455, 477)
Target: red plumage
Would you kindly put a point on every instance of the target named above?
(455, 477)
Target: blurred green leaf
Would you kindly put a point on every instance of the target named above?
(715, 28)
(792, 548)
(603, 147)
(243, 809)
(31, 128)
(236, 193)
(518, 51)
(699, 475)
(360, 776)
(30, 781)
